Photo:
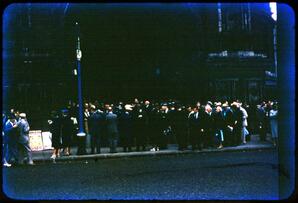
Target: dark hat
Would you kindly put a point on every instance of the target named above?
(11, 116)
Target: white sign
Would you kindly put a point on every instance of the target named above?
(35, 140)
(47, 140)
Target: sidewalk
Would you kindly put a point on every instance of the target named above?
(45, 156)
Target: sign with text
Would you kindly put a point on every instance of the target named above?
(35, 140)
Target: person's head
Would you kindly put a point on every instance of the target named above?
(17, 114)
(22, 115)
(198, 105)
(147, 102)
(225, 105)
(110, 109)
(208, 108)
(128, 107)
(218, 109)
(235, 105)
(92, 108)
(164, 107)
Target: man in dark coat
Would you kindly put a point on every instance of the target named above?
(238, 116)
(96, 125)
(228, 124)
(196, 128)
(165, 126)
(218, 121)
(261, 119)
(139, 127)
(155, 124)
(179, 126)
(147, 108)
(125, 128)
(112, 129)
(207, 127)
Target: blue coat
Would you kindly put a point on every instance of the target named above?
(24, 131)
(112, 122)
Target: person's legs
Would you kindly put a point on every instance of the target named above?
(27, 152)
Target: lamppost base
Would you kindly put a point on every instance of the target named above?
(81, 134)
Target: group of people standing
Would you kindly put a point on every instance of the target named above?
(15, 134)
(141, 124)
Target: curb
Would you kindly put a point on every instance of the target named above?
(146, 153)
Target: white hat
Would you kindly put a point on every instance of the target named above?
(22, 115)
(128, 107)
(226, 104)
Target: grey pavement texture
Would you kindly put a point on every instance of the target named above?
(234, 175)
(44, 156)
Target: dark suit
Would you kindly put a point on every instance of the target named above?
(195, 127)
(112, 130)
(238, 117)
(261, 120)
(219, 125)
(179, 126)
(125, 129)
(164, 126)
(96, 126)
(228, 121)
(139, 125)
(208, 129)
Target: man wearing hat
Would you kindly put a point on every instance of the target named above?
(228, 123)
(237, 127)
(125, 128)
(112, 129)
(96, 127)
(23, 140)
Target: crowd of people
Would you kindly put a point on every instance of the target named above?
(142, 124)
(15, 137)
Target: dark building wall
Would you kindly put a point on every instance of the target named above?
(123, 48)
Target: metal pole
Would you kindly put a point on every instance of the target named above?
(81, 132)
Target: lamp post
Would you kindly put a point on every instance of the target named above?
(81, 134)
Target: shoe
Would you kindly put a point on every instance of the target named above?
(220, 147)
(31, 163)
(152, 150)
(53, 156)
(7, 165)
(157, 148)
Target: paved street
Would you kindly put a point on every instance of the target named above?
(221, 175)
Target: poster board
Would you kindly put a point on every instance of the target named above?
(35, 140)
(47, 140)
